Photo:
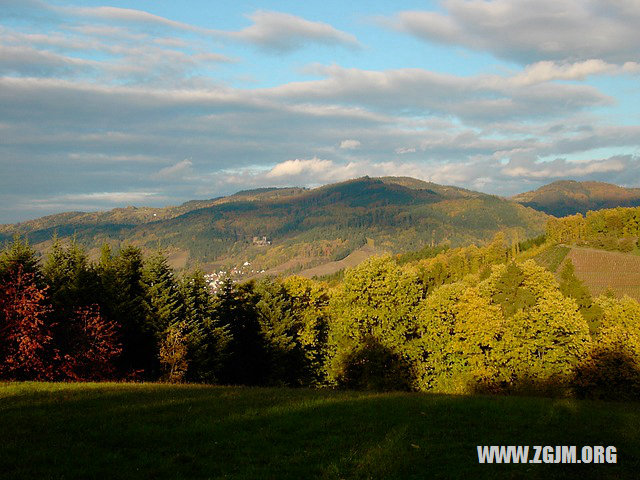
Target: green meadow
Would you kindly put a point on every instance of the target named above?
(160, 431)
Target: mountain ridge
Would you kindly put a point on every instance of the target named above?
(568, 197)
(310, 226)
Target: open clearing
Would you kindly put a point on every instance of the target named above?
(600, 270)
(354, 258)
(158, 431)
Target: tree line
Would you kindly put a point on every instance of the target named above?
(610, 229)
(471, 319)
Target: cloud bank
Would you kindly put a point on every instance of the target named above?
(104, 106)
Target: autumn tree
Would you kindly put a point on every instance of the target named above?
(92, 346)
(27, 351)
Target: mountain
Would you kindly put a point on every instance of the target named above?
(296, 227)
(568, 197)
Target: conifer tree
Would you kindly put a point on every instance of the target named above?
(572, 287)
(71, 279)
(164, 302)
(19, 254)
(124, 302)
(234, 310)
(206, 341)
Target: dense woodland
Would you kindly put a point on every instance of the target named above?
(467, 319)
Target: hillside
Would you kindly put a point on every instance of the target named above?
(568, 197)
(269, 227)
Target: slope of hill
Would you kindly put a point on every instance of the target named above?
(568, 197)
(270, 227)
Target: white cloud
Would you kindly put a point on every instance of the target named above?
(174, 172)
(291, 168)
(350, 144)
(404, 150)
(561, 168)
(419, 91)
(533, 30)
(546, 71)
(284, 32)
(128, 15)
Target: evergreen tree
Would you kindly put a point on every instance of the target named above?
(124, 302)
(164, 302)
(572, 287)
(71, 279)
(20, 255)
(206, 342)
(234, 310)
(281, 329)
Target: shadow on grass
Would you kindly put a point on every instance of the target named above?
(160, 431)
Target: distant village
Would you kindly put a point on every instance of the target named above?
(215, 279)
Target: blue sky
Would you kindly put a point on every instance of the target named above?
(154, 103)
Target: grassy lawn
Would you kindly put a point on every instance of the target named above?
(190, 431)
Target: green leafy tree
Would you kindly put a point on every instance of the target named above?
(377, 302)
(309, 303)
(543, 341)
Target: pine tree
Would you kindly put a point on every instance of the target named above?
(123, 301)
(572, 287)
(71, 279)
(206, 342)
(234, 310)
(20, 255)
(165, 307)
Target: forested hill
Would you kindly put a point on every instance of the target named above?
(297, 227)
(568, 197)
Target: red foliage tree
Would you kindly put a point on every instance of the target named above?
(93, 346)
(26, 343)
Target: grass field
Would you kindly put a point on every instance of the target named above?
(600, 270)
(155, 431)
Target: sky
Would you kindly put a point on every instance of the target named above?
(154, 103)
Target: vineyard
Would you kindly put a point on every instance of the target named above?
(601, 270)
(551, 257)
